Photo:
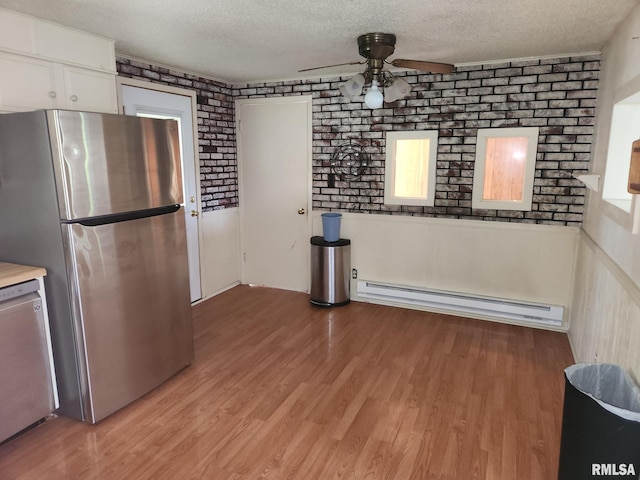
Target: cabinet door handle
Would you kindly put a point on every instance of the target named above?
(52, 94)
(74, 98)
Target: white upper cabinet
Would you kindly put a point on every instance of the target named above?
(26, 83)
(16, 34)
(89, 91)
(73, 47)
(45, 65)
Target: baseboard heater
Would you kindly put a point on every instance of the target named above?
(460, 303)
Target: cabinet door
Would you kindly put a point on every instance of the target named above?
(26, 83)
(90, 91)
(16, 32)
(72, 47)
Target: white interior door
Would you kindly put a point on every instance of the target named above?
(274, 152)
(145, 102)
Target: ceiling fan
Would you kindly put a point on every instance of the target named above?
(375, 48)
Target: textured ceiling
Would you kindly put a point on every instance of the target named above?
(256, 40)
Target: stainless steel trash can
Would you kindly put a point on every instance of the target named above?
(330, 266)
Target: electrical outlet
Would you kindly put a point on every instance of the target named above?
(354, 273)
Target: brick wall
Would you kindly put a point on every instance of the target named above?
(216, 129)
(556, 95)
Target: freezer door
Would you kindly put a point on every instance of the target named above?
(130, 297)
(108, 164)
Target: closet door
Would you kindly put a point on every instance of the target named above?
(274, 155)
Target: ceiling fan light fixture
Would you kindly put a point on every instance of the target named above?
(376, 47)
(398, 89)
(374, 98)
(352, 87)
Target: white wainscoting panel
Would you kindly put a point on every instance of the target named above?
(533, 263)
(605, 319)
(219, 251)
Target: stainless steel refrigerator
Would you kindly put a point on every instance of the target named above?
(96, 199)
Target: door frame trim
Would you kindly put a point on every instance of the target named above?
(308, 99)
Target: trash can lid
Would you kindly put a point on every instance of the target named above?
(321, 242)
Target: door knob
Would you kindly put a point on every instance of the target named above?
(301, 211)
(194, 213)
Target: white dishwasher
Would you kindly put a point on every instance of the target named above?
(26, 392)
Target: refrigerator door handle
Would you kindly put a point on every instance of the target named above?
(123, 217)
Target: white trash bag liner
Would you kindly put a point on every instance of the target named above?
(609, 385)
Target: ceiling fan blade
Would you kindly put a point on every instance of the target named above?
(431, 67)
(329, 66)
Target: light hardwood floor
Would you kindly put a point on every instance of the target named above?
(283, 390)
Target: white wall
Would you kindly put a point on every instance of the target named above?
(507, 260)
(606, 313)
(620, 71)
(219, 251)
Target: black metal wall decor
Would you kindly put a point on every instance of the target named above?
(350, 160)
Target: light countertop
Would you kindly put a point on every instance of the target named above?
(10, 273)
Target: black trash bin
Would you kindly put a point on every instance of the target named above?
(600, 424)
